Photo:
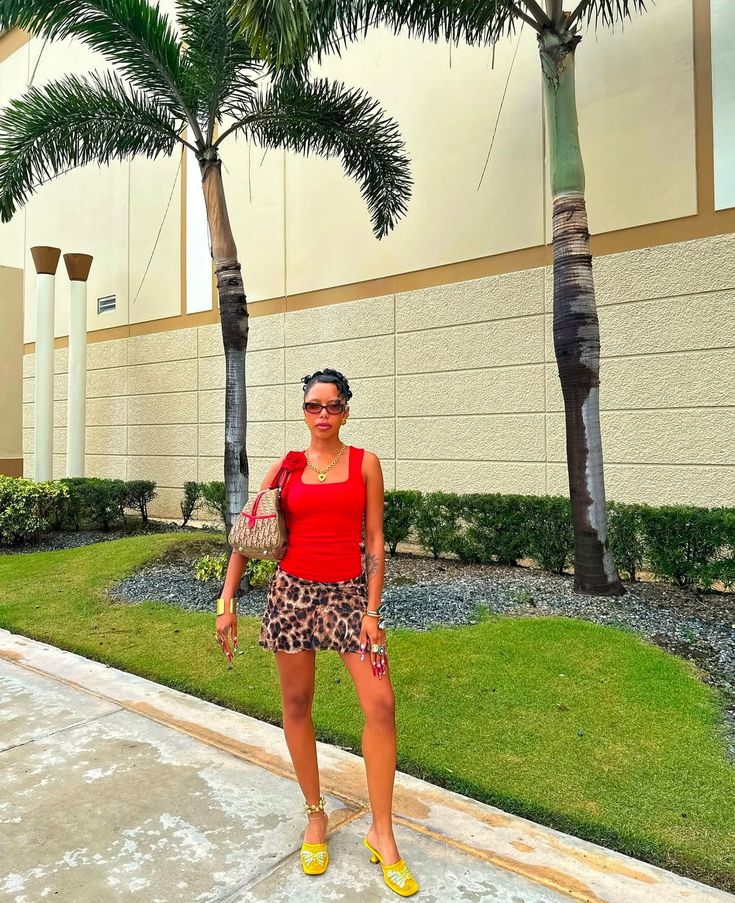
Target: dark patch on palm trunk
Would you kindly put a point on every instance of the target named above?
(235, 326)
(233, 307)
(577, 347)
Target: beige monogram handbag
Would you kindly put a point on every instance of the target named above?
(260, 529)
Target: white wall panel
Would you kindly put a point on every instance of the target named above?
(198, 256)
(723, 100)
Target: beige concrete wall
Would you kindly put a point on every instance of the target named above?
(11, 367)
(13, 78)
(455, 387)
(113, 213)
(637, 130)
(302, 226)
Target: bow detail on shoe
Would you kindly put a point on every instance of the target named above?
(309, 857)
(400, 873)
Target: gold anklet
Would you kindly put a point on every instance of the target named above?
(316, 807)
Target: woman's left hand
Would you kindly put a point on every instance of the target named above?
(369, 635)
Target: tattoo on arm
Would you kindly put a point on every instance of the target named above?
(371, 564)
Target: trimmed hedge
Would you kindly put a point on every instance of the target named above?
(28, 509)
(690, 546)
(436, 521)
(25, 506)
(399, 515)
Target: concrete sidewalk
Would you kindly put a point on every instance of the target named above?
(118, 788)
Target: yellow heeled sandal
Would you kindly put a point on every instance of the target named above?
(314, 856)
(397, 876)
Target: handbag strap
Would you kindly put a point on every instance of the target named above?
(279, 480)
(281, 477)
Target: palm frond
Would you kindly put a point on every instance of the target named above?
(136, 37)
(328, 119)
(219, 61)
(74, 121)
(606, 12)
(287, 32)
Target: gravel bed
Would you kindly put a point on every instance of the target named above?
(420, 593)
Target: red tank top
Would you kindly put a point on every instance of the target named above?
(324, 522)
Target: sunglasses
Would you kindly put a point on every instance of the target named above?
(314, 407)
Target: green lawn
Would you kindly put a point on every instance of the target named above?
(581, 727)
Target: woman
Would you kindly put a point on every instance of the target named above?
(320, 598)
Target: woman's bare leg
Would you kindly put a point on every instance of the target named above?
(378, 748)
(296, 673)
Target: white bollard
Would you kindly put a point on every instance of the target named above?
(46, 260)
(77, 266)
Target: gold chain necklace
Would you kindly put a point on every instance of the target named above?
(323, 473)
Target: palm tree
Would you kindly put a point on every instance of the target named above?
(306, 29)
(170, 88)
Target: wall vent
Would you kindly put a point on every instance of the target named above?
(108, 302)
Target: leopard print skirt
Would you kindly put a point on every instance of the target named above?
(307, 614)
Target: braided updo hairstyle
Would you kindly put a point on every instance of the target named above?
(329, 376)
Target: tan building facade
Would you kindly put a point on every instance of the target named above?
(444, 327)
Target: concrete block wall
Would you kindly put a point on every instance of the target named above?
(455, 387)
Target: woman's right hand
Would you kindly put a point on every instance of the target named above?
(226, 624)
(226, 627)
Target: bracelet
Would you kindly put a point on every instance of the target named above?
(221, 602)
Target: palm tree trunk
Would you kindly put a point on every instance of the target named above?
(575, 324)
(234, 319)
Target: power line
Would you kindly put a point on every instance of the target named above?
(502, 101)
(165, 214)
(38, 60)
